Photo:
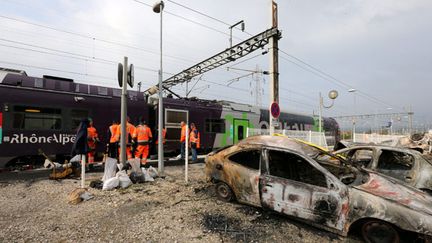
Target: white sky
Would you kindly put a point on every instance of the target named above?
(380, 48)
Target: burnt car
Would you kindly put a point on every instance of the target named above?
(304, 182)
(407, 165)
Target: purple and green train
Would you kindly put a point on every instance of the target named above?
(43, 113)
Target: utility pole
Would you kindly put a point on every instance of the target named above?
(274, 65)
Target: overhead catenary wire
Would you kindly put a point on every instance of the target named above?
(92, 38)
(319, 72)
(195, 22)
(331, 78)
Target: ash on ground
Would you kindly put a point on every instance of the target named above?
(166, 210)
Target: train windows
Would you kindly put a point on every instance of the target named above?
(26, 117)
(38, 83)
(215, 125)
(102, 90)
(77, 116)
(116, 92)
(175, 116)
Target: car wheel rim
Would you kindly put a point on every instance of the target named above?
(377, 232)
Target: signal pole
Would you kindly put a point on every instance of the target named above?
(123, 119)
(274, 66)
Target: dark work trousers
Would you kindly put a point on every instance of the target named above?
(182, 149)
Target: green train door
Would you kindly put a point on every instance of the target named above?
(240, 128)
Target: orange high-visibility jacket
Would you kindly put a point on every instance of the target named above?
(113, 132)
(183, 134)
(194, 137)
(92, 134)
(163, 137)
(143, 133)
(130, 131)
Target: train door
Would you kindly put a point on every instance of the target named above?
(240, 128)
(173, 117)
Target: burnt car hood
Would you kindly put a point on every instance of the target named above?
(393, 190)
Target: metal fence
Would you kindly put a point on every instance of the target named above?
(377, 138)
(307, 136)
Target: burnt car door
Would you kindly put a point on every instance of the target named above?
(397, 164)
(243, 167)
(297, 186)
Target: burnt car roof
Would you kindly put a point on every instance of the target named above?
(279, 142)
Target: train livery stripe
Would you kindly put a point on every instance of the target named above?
(1, 127)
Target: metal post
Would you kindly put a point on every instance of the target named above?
(187, 149)
(83, 164)
(320, 113)
(160, 104)
(354, 130)
(274, 63)
(123, 113)
(410, 118)
(230, 37)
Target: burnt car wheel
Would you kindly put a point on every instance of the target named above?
(376, 231)
(224, 192)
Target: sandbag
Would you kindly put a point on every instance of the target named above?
(152, 172)
(111, 183)
(124, 180)
(76, 158)
(110, 168)
(135, 164)
(147, 177)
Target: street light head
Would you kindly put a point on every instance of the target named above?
(352, 90)
(158, 6)
(333, 94)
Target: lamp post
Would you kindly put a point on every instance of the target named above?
(242, 27)
(158, 8)
(354, 120)
(333, 94)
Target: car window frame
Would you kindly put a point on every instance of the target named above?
(379, 153)
(241, 149)
(333, 183)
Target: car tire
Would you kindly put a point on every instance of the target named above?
(379, 231)
(224, 192)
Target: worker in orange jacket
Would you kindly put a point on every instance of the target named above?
(130, 131)
(143, 136)
(92, 139)
(194, 141)
(163, 137)
(113, 142)
(183, 139)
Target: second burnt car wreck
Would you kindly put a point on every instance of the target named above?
(304, 182)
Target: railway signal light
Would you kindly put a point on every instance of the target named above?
(130, 75)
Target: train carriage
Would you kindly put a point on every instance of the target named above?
(43, 113)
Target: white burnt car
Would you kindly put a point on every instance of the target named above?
(298, 180)
(405, 164)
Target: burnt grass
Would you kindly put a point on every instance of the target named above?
(234, 229)
(227, 227)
